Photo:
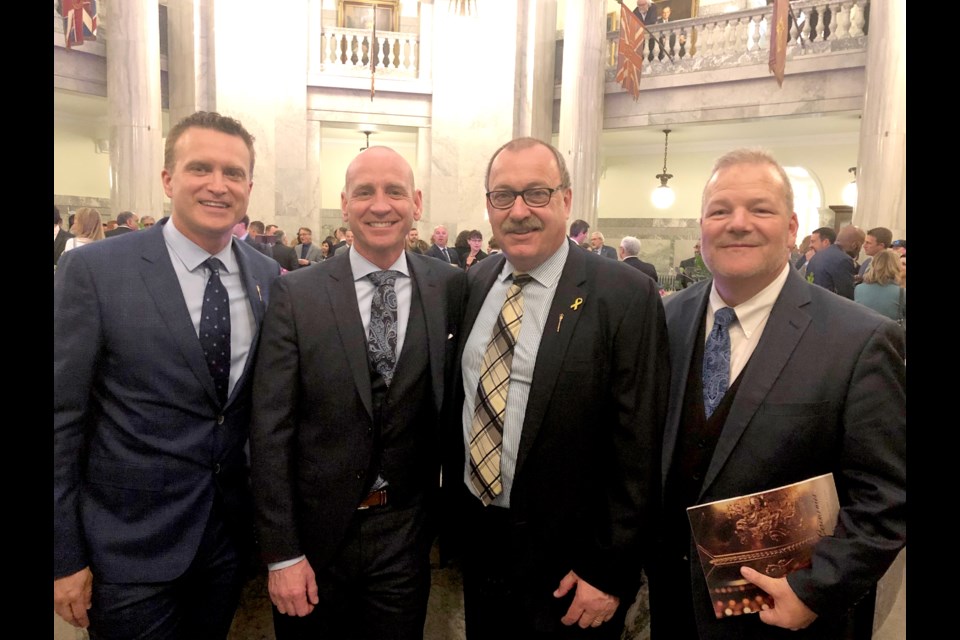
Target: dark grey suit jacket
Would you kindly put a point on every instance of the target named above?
(435, 252)
(825, 391)
(313, 413)
(586, 479)
(141, 445)
(643, 267)
(59, 244)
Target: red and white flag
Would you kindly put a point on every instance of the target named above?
(79, 21)
(629, 60)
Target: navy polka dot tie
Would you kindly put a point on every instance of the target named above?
(215, 329)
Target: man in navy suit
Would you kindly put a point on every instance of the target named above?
(345, 436)
(439, 248)
(151, 508)
(553, 517)
(809, 384)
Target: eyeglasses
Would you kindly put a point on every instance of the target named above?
(536, 197)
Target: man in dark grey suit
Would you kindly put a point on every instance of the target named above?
(776, 381)
(629, 252)
(597, 246)
(550, 485)
(439, 248)
(126, 222)
(345, 434)
(154, 336)
(60, 236)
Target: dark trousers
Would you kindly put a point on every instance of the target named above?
(506, 593)
(378, 585)
(199, 604)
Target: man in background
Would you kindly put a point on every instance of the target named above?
(630, 254)
(439, 248)
(60, 236)
(126, 222)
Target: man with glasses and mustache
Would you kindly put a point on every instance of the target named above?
(552, 465)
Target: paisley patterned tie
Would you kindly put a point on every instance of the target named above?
(382, 336)
(716, 360)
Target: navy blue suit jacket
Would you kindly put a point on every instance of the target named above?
(141, 445)
(833, 270)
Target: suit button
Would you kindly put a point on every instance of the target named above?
(360, 474)
(216, 469)
(219, 420)
(701, 444)
(696, 476)
(369, 431)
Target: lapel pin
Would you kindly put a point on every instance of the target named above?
(258, 293)
(558, 323)
(576, 304)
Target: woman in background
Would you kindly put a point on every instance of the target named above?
(881, 290)
(474, 253)
(87, 227)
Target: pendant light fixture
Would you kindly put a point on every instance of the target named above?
(849, 194)
(663, 196)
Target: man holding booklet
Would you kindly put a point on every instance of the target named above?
(775, 381)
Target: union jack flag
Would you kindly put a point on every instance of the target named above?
(79, 21)
(629, 60)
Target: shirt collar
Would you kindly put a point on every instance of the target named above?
(191, 255)
(752, 312)
(547, 273)
(361, 267)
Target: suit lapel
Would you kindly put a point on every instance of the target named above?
(160, 280)
(571, 290)
(683, 328)
(346, 312)
(479, 282)
(254, 290)
(433, 305)
(786, 325)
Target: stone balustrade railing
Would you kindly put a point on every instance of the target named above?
(349, 52)
(743, 38)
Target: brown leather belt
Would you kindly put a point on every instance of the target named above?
(375, 499)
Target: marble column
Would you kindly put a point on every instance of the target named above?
(134, 109)
(473, 114)
(882, 175)
(581, 103)
(190, 76)
(536, 51)
(260, 71)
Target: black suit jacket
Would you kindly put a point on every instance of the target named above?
(435, 252)
(644, 267)
(313, 417)
(286, 256)
(587, 476)
(59, 243)
(651, 17)
(141, 447)
(119, 231)
(825, 391)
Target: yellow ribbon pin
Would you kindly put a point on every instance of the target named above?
(576, 304)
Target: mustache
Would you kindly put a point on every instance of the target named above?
(530, 223)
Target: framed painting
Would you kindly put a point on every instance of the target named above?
(360, 14)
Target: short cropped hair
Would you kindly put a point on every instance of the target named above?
(518, 144)
(256, 225)
(124, 217)
(631, 246)
(826, 233)
(752, 156)
(475, 235)
(882, 235)
(579, 226)
(206, 120)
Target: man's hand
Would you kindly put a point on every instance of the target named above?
(72, 595)
(303, 262)
(590, 607)
(788, 610)
(294, 589)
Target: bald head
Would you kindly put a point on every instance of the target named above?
(851, 239)
(379, 155)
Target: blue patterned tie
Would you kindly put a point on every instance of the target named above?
(215, 329)
(716, 360)
(382, 336)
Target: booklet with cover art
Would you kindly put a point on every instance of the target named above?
(771, 531)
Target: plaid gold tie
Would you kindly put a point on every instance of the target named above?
(486, 435)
